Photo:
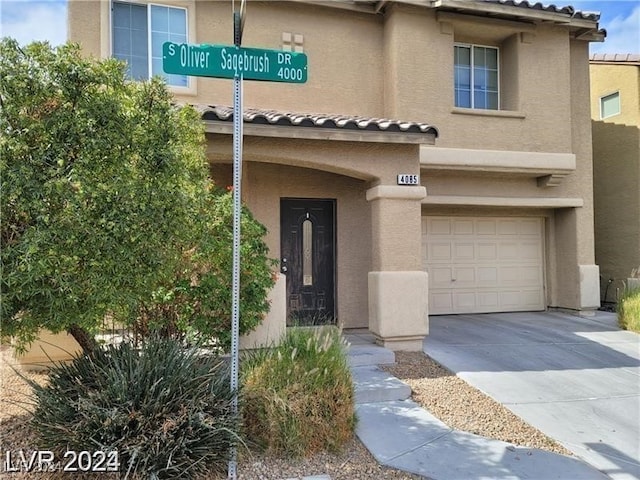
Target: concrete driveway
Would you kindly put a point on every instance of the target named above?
(577, 379)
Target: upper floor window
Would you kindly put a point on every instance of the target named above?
(138, 34)
(476, 76)
(610, 105)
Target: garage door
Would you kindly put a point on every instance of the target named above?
(483, 264)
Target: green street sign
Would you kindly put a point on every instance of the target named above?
(224, 61)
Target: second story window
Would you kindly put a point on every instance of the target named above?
(138, 34)
(610, 105)
(476, 77)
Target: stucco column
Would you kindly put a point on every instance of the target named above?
(578, 278)
(398, 313)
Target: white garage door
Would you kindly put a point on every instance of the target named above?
(483, 264)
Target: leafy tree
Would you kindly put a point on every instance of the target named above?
(106, 201)
(191, 305)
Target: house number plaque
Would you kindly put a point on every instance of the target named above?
(407, 179)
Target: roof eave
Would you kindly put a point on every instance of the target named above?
(518, 12)
(591, 35)
(225, 127)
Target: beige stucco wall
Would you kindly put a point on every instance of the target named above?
(616, 155)
(264, 184)
(419, 83)
(377, 224)
(616, 77)
(49, 348)
(400, 65)
(342, 50)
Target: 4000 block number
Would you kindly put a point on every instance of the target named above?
(290, 73)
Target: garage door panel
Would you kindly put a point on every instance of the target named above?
(530, 251)
(487, 251)
(464, 300)
(488, 275)
(508, 227)
(441, 277)
(465, 276)
(488, 300)
(486, 227)
(509, 275)
(531, 275)
(510, 299)
(463, 252)
(438, 226)
(463, 227)
(520, 275)
(484, 264)
(530, 226)
(439, 252)
(508, 251)
(441, 301)
(533, 298)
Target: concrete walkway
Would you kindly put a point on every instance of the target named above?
(401, 434)
(577, 379)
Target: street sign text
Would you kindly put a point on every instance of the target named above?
(223, 61)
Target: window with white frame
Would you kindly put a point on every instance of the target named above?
(138, 32)
(610, 105)
(476, 77)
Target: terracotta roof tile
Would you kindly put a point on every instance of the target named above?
(315, 120)
(569, 10)
(616, 57)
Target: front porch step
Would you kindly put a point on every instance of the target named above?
(370, 355)
(373, 385)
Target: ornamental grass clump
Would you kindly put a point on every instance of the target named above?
(298, 396)
(165, 409)
(629, 310)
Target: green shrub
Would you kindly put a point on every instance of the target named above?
(196, 303)
(164, 408)
(629, 310)
(298, 396)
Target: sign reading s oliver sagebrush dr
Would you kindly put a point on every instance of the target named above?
(223, 61)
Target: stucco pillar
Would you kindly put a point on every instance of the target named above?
(398, 309)
(578, 278)
(274, 325)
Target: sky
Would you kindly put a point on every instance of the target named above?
(30, 20)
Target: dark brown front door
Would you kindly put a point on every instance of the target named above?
(307, 258)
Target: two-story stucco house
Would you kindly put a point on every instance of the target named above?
(489, 102)
(615, 114)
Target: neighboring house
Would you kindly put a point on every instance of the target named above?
(491, 101)
(615, 114)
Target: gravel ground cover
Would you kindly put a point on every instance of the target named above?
(463, 407)
(443, 394)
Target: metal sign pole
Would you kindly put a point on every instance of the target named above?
(289, 67)
(237, 206)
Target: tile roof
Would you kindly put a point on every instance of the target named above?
(569, 10)
(315, 120)
(616, 57)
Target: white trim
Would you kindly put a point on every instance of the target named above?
(524, 202)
